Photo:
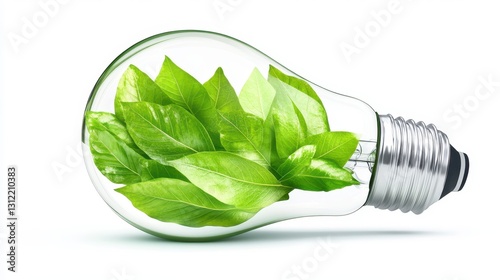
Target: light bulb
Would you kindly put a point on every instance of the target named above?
(400, 164)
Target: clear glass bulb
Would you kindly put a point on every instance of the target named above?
(399, 164)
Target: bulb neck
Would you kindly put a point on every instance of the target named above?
(415, 167)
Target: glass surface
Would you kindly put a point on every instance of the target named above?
(200, 53)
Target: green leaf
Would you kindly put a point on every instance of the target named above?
(244, 134)
(187, 92)
(320, 175)
(337, 146)
(151, 169)
(104, 121)
(115, 159)
(257, 95)
(232, 179)
(313, 111)
(296, 162)
(270, 134)
(176, 201)
(135, 86)
(290, 128)
(295, 82)
(222, 93)
(165, 132)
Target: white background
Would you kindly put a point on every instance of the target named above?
(428, 58)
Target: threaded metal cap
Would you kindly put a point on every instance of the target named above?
(416, 166)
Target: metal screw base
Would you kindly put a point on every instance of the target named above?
(411, 168)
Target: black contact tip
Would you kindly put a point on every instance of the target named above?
(458, 169)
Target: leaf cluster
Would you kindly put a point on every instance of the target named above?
(202, 155)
